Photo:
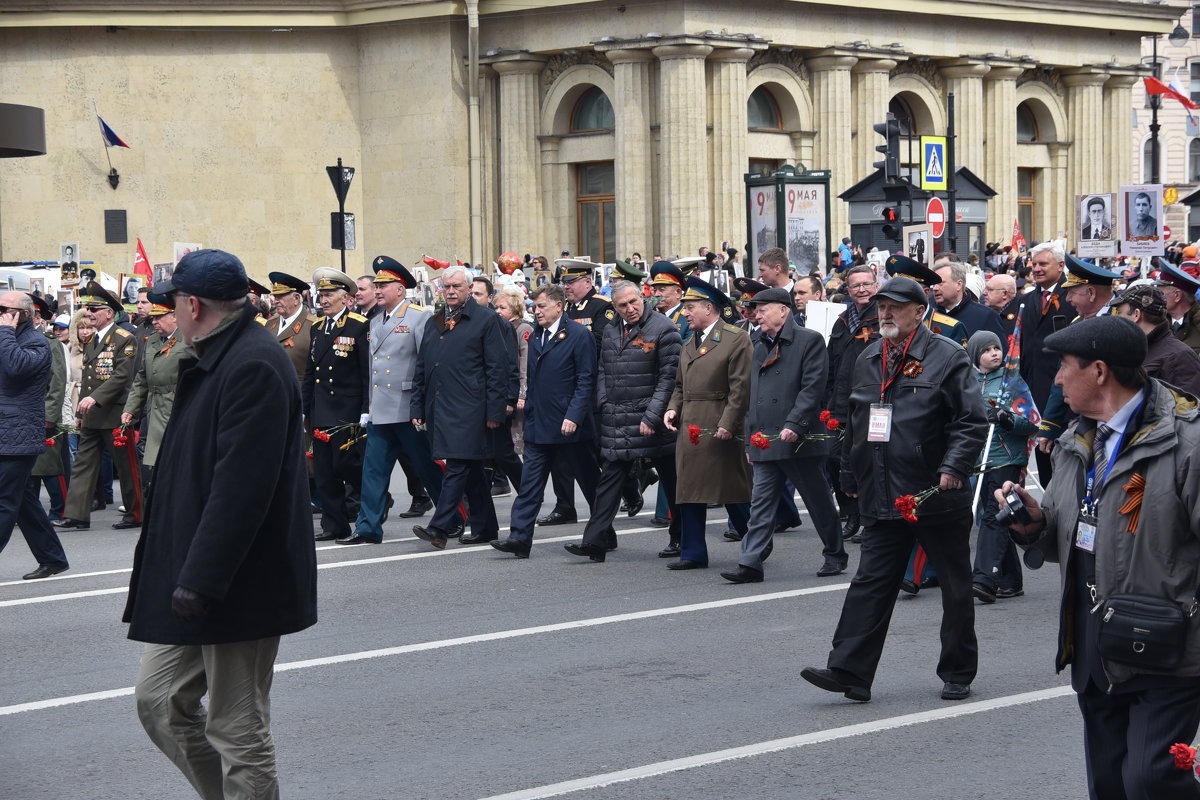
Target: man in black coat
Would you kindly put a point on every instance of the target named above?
(459, 394)
(952, 297)
(639, 356)
(225, 563)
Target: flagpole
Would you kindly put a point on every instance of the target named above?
(1154, 126)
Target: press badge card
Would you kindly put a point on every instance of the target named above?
(879, 426)
(1085, 533)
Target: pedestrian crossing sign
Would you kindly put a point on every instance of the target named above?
(933, 163)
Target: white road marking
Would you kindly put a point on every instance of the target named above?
(418, 647)
(775, 745)
(48, 598)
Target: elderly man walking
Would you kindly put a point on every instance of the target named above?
(915, 429)
(708, 409)
(786, 439)
(639, 356)
(225, 564)
(459, 389)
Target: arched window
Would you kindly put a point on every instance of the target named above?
(900, 108)
(593, 112)
(762, 111)
(1194, 160)
(1027, 127)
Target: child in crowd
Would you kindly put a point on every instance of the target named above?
(1011, 411)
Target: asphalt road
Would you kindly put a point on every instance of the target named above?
(471, 674)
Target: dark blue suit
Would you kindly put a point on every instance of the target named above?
(561, 379)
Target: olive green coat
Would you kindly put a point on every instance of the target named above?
(154, 389)
(51, 461)
(713, 391)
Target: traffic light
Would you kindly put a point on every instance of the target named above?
(890, 131)
(891, 223)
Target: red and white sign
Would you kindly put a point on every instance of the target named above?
(1166, 231)
(935, 215)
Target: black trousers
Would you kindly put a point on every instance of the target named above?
(867, 611)
(416, 489)
(1127, 736)
(338, 474)
(609, 491)
(20, 507)
(562, 478)
(997, 565)
(465, 479)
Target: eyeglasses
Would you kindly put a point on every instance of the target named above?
(860, 286)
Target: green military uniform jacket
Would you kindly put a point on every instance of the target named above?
(154, 389)
(107, 369)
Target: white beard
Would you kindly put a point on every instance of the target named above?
(889, 330)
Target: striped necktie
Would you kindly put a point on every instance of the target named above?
(1100, 453)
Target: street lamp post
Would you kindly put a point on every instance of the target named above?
(1177, 38)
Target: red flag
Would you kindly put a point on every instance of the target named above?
(1018, 241)
(1155, 86)
(141, 264)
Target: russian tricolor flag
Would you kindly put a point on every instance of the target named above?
(109, 135)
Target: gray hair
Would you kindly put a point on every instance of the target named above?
(450, 272)
(958, 272)
(1057, 248)
(622, 285)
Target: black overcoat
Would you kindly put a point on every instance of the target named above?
(228, 515)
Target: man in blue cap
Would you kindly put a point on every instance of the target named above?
(225, 564)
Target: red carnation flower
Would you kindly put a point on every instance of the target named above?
(1185, 755)
(50, 443)
(308, 454)
(320, 435)
(825, 415)
(760, 441)
(832, 424)
(694, 434)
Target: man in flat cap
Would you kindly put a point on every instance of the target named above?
(108, 364)
(900, 265)
(1123, 516)
(853, 330)
(225, 564)
(1167, 359)
(395, 338)
(336, 392)
(1182, 307)
(916, 424)
(787, 384)
(708, 409)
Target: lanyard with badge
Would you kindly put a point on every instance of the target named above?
(879, 425)
(1085, 528)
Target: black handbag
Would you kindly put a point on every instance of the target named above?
(1142, 630)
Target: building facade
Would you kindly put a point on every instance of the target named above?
(483, 126)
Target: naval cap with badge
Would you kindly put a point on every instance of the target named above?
(899, 265)
(389, 270)
(208, 273)
(329, 279)
(1116, 341)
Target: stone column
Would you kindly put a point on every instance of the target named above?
(730, 155)
(558, 203)
(870, 107)
(683, 131)
(964, 77)
(1000, 148)
(1086, 168)
(634, 154)
(489, 114)
(1057, 197)
(833, 149)
(520, 101)
(1118, 154)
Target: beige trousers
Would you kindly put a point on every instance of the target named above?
(227, 752)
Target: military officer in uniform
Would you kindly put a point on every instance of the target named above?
(291, 323)
(395, 336)
(666, 281)
(336, 393)
(154, 384)
(1180, 294)
(108, 361)
(593, 311)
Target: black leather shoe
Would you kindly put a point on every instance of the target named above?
(123, 525)
(517, 548)
(357, 538)
(431, 535)
(931, 583)
(956, 691)
(830, 681)
(98, 506)
(471, 538)
(732, 536)
(69, 523)
(647, 478)
(419, 508)
(683, 563)
(1005, 594)
(908, 587)
(795, 522)
(557, 518)
(594, 553)
(670, 551)
(325, 536)
(44, 571)
(387, 510)
(459, 528)
(660, 522)
(501, 489)
(831, 568)
(743, 575)
(635, 506)
(852, 527)
(983, 593)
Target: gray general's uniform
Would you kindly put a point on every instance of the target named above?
(393, 348)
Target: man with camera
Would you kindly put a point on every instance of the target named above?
(1122, 519)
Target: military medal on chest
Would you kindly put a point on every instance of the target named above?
(343, 345)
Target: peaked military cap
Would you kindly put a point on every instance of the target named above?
(282, 283)
(389, 270)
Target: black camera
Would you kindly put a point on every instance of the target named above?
(1012, 511)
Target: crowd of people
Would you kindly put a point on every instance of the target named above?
(902, 428)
